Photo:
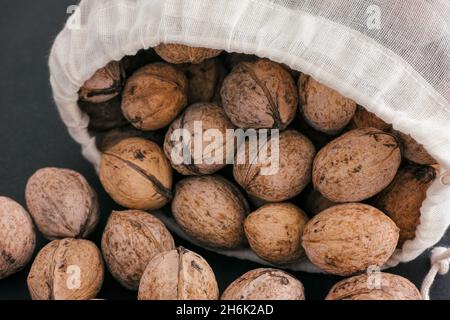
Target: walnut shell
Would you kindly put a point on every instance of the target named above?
(154, 95)
(108, 139)
(136, 174)
(211, 154)
(62, 203)
(179, 53)
(265, 284)
(202, 79)
(366, 119)
(67, 269)
(292, 167)
(324, 108)
(260, 94)
(130, 241)
(17, 237)
(104, 85)
(357, 165)
(105, 115)
(364, 287)
(315, 202)
(349, 238)
(402, 199)
(211, 210)
(414, 151)
(178, 274)
(274, 232)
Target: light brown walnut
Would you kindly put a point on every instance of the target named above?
(349, 238)
(130, 240)
(178, 274)
(179, 53)
(136, 174)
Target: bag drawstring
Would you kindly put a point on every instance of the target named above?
(440, 261)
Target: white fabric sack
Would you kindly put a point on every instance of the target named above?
(391, 56)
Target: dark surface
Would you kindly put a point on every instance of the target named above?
(33, 136)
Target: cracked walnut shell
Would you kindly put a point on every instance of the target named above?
(178, 274)
(349, 238)
(136, 174)
(67, 269)
(130, 240)
(17, 237)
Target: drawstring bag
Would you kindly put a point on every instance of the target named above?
(391, 56)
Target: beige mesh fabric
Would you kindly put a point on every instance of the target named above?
(392, 56)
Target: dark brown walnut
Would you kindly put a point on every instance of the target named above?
(357, 165)
(178, 274)
(234, 58)
(315, 202)
(104, 85)
(322, 107)
(414, 151)
(130, 241)
(17, 237)
(222, 74)
(274, 232)
(108, 139)
(67, 269)
(211, 210)
(366, 119)
(260, 94)
(349, 238)
(402, 199)
(265, 284)
(291, 170)
(202, 78)
(179, 53)
(62, 203)
(141, 58)
(154, 95)
(211, 154)
(376, 286)
(105, 115)
(136, 174)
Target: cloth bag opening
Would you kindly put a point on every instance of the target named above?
(379, 53)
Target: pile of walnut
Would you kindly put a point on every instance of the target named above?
(359, 182)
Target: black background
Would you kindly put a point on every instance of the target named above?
(32, 136)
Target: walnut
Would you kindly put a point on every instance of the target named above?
(179, 53)
(274, 232)
(213, 153)
(104, 116)
(349, 238)
(414, 151)
(178, 274)
(108, 139)
(130, 240)
(136, 174)
(260, 94)
(291, 169)
(104, 85)
(67, 269)
(315, 202)
(212, 210)
(403, 198)
(366, 119)
(154, 95)
(357, 165)
(365, 287)
(324, 108)
(62, 203)
(265, 284)
(17, 237)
